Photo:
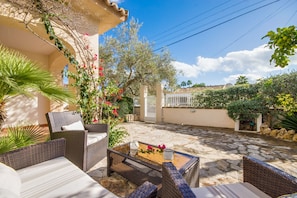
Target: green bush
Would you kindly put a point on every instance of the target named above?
(116, 136)
(219, 99)
(21, 136)
(125, 106)
(245, 109)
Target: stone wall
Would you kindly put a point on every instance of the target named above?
(284, 134)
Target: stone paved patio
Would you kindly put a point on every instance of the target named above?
(220, 152)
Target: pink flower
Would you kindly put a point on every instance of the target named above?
(162, 146)
(115, 112)
(150, 149)
(108, 103)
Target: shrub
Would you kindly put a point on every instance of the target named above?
(245, 109)
(289, 122)
(21, 136)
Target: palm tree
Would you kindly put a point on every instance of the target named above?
(21, 76)
(242, 80)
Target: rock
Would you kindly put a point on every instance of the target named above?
(263, 127)
(253, 147)
(287, 136)
(257, 156)
(274, 132)
(294, 138)
(291, 132)
(223, 165)
(281, 133)
(267, 131)
(214, 171)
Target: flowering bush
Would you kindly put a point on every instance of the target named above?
(97, 95)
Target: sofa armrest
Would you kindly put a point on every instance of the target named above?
(267, 178)
(97, 128)
(76, 146)
(34, 154)
(146, 190)
(173, 183)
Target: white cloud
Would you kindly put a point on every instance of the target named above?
(189, 71)
(253, 64)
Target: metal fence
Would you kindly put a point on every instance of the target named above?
(179, 100)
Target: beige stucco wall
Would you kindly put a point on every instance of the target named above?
(198, 117)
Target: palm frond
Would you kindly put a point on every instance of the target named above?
(25, 135)
(19, 75)
(289, 122)
(6, 144)
(56, 93)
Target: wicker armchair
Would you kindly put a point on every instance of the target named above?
(34, 155)
(81, 149)
(270, 180)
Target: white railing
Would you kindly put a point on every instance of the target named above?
(179, 100)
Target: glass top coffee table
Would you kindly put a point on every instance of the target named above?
(146, 166)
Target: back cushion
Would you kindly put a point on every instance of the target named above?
(74, 126)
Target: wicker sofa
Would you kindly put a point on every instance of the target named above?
(41, 170)
(259, 180)
(86, 143)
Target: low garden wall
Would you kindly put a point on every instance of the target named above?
(197, 117)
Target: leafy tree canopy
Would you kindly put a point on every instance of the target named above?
(241, 80)
(130, 61)
(284, 43)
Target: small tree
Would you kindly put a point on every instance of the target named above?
(183, 84)
(130, 61)
(189, 83)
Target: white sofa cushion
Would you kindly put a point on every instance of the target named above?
(59, 178)
(74, 126)
(10, 182)
(242, 190)
(93, 137)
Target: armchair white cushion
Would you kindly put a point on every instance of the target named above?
(74, 126)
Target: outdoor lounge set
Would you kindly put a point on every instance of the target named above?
(42, 170)
(57, 169)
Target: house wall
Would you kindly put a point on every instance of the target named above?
(91, 17)
(198, 117)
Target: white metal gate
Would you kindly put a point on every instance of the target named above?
(150, 109)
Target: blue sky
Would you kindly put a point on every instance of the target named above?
(214, 41)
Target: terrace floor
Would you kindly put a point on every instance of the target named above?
(220, 152)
